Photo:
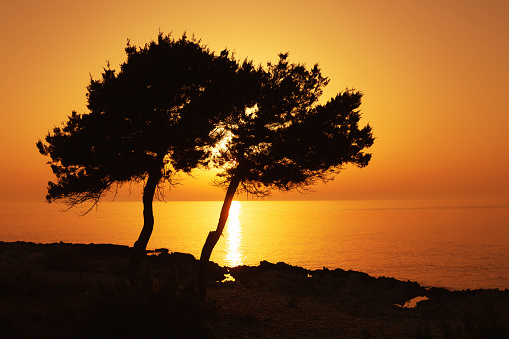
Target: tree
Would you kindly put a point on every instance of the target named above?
(151, 120)
(287, 141)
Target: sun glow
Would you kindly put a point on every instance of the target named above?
(234, 255)
(222, 145)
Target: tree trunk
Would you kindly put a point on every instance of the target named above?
(213, 236)
(139, 249)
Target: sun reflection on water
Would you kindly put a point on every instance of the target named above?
(233, 256)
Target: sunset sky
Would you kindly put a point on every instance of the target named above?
(435, 78)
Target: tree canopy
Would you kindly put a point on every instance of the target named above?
(152, 117)
(286, 140)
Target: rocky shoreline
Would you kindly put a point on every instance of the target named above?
(62, 290)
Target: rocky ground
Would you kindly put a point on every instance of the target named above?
(81, 291)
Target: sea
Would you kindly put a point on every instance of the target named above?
(453, 244)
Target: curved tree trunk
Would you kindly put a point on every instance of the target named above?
(213, 236)
(140, 246)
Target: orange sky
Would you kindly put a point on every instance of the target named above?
(434, 76)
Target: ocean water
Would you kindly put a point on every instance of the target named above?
(457, 245)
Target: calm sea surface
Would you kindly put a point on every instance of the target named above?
(456, 245)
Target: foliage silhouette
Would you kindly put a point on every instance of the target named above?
(146, 123)
(286, 140)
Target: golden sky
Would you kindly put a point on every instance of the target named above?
(434, 76)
